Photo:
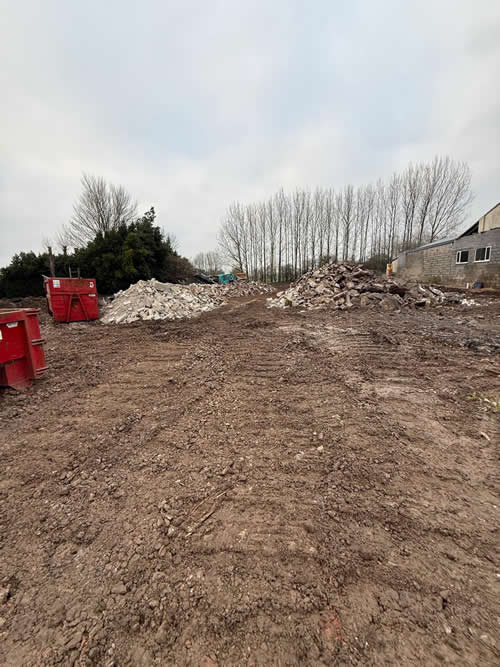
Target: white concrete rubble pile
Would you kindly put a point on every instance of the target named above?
(342, 286)
(153, 300)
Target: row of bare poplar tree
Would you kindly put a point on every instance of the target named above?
(279, 239)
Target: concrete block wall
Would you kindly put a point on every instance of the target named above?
(486, 272)
(439, 262)
(413, 265)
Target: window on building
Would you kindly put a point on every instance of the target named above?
(462, 256)
(482, 254)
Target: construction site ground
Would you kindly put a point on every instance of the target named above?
(256, 487)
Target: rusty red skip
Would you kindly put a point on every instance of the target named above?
(72, 299)
(22, 357)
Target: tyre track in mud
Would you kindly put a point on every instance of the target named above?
(250, 487)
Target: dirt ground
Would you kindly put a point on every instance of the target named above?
(256, 487)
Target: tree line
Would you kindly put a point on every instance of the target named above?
(273, 240)
(105, 239)
(290, 233)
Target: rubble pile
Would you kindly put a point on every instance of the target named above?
(246, 288)
(154, 300)
(342, 286)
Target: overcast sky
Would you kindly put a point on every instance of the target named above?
(194, 104)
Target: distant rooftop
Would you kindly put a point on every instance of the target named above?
(434, 244)
(473, 229)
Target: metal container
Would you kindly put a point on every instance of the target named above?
(22, 357)
(72, 299)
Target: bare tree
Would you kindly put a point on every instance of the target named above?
(425, 202)
(47, 245)
(272, 221)
(262, 230)
(282, 211)
(367, 204)
(411, 191)
(253, 242)
(290, 233)
(379, 227)
(304, 231)
(100, 207)
(173, 240)
(298, 203)
(232, 237)
(328, 224)
(208, 262)
(345, 203)
(452, 197)
(317, 228)
(393, 208)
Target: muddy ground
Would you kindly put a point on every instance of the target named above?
(256, 487)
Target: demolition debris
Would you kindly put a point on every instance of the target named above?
(153, 300)
(245, 288)
(342, 286)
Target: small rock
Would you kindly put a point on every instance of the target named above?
(161, 636)
(74, 641)
(56, 615)
(365, 300)
(390, 302)
(485, 436)
(4, 595)
(119, 589)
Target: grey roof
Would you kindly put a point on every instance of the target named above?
(434, 244)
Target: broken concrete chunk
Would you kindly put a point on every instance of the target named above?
(390, 302)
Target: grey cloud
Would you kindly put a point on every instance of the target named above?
(192, 105)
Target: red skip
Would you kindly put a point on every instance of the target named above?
(72, 299)
(22, 357)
